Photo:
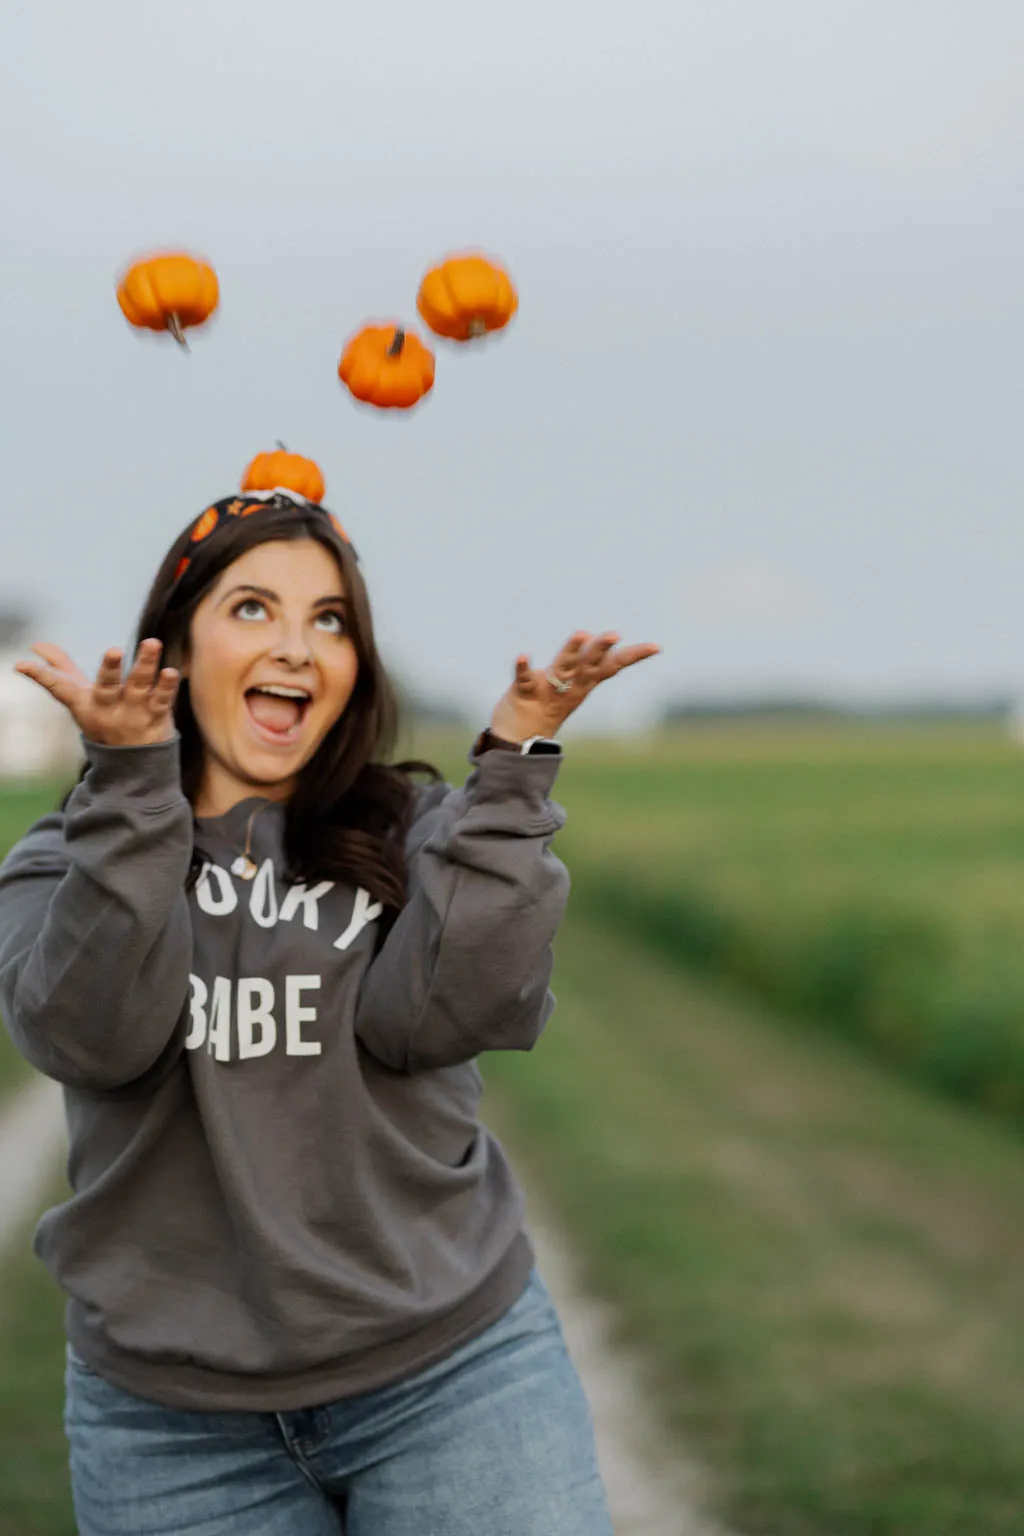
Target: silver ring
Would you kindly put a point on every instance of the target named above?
(558, 683)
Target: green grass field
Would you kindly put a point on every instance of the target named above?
(34, 1495)
(870, 882)
(819, 1257)
(35, 1498)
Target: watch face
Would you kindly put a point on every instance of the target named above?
(541, 746)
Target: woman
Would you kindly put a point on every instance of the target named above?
(262, 964)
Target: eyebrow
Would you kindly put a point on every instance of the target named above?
(337, 600)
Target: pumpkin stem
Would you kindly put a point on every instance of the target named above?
(477, 327)
(395, 349)
(281, 445)
(175, 328)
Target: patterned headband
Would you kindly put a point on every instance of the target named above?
(223, 512)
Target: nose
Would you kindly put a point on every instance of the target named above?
(291, 646)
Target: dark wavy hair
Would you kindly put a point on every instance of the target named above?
(347, 817)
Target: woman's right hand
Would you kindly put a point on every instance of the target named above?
(136, 711)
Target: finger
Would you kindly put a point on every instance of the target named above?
(142, 676)
(629, 655)
(165, 690)
(566, 666)
(62, 661)
(66, 690)
(525, 681)
(568, 657)
(107, 687)
(594, 658)
(617, 660)
(603, 642)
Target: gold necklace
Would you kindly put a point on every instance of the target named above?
(243, 866)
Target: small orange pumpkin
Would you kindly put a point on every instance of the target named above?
(290, 471)
(467, 296)
(169, 292)
(387, 366)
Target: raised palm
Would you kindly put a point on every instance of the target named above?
(540, 700)
(112, 710)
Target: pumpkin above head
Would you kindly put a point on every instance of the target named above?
(387, 366)
(289, 471)
(169, 292)
(467, 296)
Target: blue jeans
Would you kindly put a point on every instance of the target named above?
(494, 1441)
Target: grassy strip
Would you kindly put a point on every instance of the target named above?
(892, 980)
(20, 806)
(35, 1496)
(822, 1264)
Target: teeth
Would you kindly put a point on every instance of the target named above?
(281, 692)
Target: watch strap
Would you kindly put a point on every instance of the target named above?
(535, 746)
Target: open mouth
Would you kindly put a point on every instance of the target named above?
(278, 711)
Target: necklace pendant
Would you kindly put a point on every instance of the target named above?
(244, 868)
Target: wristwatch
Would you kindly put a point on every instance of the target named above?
(535, 746)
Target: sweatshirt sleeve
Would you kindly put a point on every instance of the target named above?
(95, 933)
(466, 967)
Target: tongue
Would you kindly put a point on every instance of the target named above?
(275, 714)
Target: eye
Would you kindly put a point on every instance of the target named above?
(332, 621)
(250, 608)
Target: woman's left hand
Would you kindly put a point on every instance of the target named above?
(535, 706)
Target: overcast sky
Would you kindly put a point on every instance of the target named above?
(763, 399)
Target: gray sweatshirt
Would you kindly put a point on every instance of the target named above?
(281, 1192)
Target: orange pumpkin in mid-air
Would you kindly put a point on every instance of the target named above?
(466, 297)
(387, 366)
(289, 471)
(169, 292)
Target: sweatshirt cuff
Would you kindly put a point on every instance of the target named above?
(148, 772)
(514, 778)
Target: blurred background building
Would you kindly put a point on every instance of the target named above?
(37, 737)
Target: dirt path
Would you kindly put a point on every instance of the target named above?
(650, 1492)
(31, 1140)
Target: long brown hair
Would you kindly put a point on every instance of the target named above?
(347, 817)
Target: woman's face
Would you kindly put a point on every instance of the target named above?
(271, 667)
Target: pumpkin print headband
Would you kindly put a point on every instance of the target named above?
(221, 513)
